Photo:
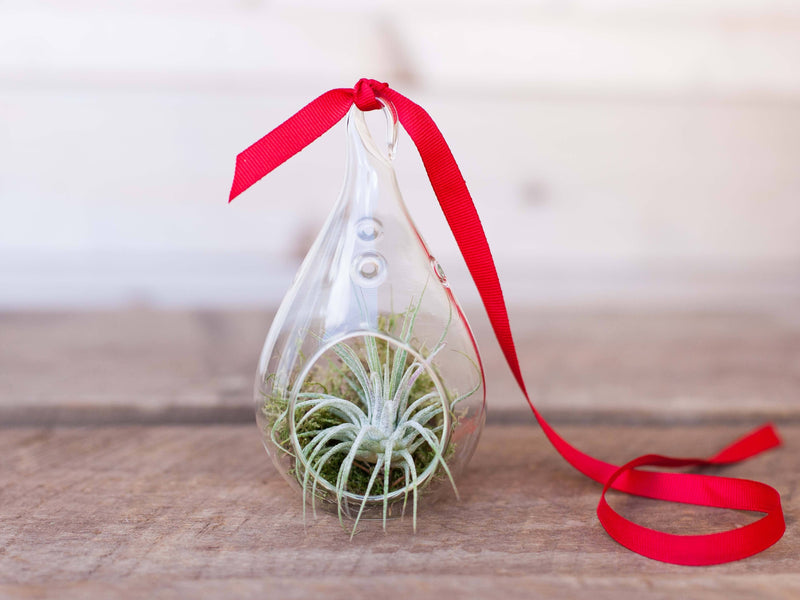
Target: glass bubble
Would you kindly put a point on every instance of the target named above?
(369, 391)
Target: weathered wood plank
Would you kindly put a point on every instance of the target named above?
(141, 366)
(366, 587)
(129, 511)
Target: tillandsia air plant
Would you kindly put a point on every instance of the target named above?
(371, 424)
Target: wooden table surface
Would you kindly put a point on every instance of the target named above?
(131, 465)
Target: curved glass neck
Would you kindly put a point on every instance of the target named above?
(357, 121)
(369, 168)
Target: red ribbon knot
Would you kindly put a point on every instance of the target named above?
(366, 93)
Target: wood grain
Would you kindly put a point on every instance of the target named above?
(178, 511)
(142, 366)
(100, 497)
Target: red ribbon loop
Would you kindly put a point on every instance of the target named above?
(321, 114)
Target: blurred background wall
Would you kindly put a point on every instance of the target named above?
(618, 151)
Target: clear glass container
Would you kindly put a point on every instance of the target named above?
(369, 392)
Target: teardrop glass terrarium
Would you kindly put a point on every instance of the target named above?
(369, 391)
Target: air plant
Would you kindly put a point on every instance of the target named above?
(372, 425)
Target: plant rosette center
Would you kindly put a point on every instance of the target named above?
(384, 409)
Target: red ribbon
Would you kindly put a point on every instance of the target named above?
(723, 492)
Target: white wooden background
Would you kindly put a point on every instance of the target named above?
(617, 150)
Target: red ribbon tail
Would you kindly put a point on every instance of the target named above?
(757, 441)
(289, 138)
